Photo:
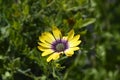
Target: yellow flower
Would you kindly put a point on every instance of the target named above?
(55, 44)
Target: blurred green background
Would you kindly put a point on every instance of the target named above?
(23, 21)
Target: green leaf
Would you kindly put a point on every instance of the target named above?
(84, 22)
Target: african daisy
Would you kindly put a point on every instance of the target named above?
(54, 44)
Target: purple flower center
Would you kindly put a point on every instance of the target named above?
(60, 45)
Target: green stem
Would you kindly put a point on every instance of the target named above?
(54, 72)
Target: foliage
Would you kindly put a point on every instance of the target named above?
(23, 21)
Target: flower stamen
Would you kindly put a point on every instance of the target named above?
(60, 47)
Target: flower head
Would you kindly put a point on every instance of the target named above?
(54, 44)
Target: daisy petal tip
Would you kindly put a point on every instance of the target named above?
(48, 60)
(38, 43)
(56, 56)
(71, 31)
(77, 36)
(69, 55)
(42, 55)
(38, 47)
(80, 41)
(57, 33)
(54, 27)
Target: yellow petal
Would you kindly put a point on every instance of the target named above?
(53, 56)
(75, 43)
(41, 38)
(56, 56)
(57, 33)
(74, 39)
(49, 37)
(70, 34)
(42, 48)
(75, 48)
(47, 52)
(69, 52)
(46, 45)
